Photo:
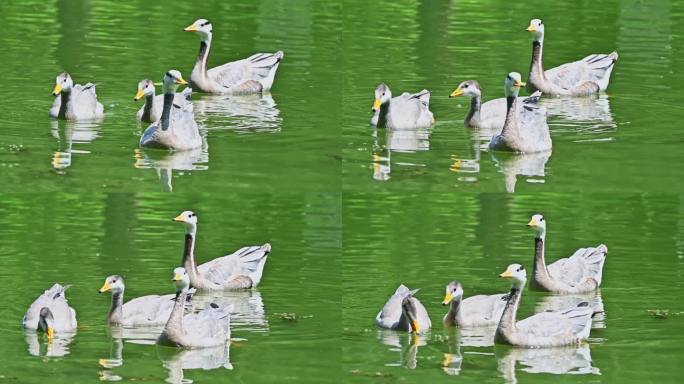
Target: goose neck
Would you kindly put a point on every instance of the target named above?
(539, 269)
(509, 123)
(454, 313)
(166, 111)
(382, 114)
(65, 99)
(506, 325)
(201, 63)
(175, 322)
(536, 67)
(474, 112)
(147, 109)
(116, 310)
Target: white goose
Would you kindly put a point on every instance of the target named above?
(51, 313)
(151, 111)
(75, 102)
(404, 312)
(475, 311)
(406, 111)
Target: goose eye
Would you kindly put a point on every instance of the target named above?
(465, 86)
(114, 281)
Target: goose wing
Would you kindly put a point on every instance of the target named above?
(584, 263)
(84, 101)
(389, 315)
(242, 268)
(256, 67)
(54, 299)
(411, 110)
(483, 308)
(210, 326)
(148, 310)
(493, 112)
(575, 321)
(595, 68)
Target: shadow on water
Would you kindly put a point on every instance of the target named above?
(165, 162)
(557, 361)
(39, 346)
(70, 133)
(177, 361)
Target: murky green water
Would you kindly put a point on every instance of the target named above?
(351, 212)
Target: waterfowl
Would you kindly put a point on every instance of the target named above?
(490, 115)
(407, 111)
(525, 128)
(150, 310)
(547, 329)
(151, 111)
(241, 269)
(404, 312)
(51, 313)
(208, 328)
(176, 129)
(251, 75)
(581, 272)
(74, 102)
(579, 78)
(475, 311)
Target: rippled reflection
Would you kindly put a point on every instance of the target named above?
(386, 141)
(140, 335)
(248, 307)
(566, 360)
(451, 364)
(530, 165)
(165, 162)
(553, 302)
(177, 361)
(68, 134)
(591, 114)
(38, 345)
(257, 113)
(406, 344)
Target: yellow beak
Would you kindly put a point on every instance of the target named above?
(50, 333)
(105, 287)
(506, 274)
(177, 277)
(179, 218)
(57, 90)
(532, 28)
(447, 298)
(456, 93)
(414, 326)
(533, 223)
(191, 28)
(519, 84)
(376, 104)
(139, 95)
(181, 81)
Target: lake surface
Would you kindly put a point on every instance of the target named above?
(351, 212)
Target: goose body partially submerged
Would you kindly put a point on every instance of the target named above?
(475, 311)
(51, 313)
(406, 111)
(75, 101)
(151, 111)
(404, 312)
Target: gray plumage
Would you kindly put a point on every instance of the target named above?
(406, 111)
(75, 102)
(400, 309)
(579, 78)
(151, 110)
(54, 300)
(251, 75)
(475, 311)
(525, 129)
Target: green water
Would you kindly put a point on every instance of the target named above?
(351, 212)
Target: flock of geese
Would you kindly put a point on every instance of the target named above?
(518, 123)
(569, 325)
(171, 115)
(183, 325)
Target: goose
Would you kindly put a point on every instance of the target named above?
(490, 115)
(475, 311)
(150, 310)
(241, 269)
(579, 78)
(524, 130)
(406, 111)
(151, 111)
(404, 312)
(251, 75)
(74, 102)
(547, 329)
(207, 328)
(176, 129)
(579, 273)
(51, 313)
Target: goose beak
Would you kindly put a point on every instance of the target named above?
(190, 28)
(414, 326)
(139, 95)
(531, 28)
(376, 105)
(456, 93)
(181, 81)
(105, 287)
(447, 298)
(506, 274)
(179, 218)
(177, 277)
(519, 84)
(57, 90)
(533, 223)
(50, 333)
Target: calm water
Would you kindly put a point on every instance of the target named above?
(351, 212)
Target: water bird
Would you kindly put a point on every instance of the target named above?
(475, 311)
(404, 312)
(406, 111)
(74, 102)
(151, 111)
(51, 313)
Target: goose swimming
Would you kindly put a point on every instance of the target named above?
(151, 111)
(51, 313)
(75, 102)
(404, 312)
(406, 111)
(475, 311)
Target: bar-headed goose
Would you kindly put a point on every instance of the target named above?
(176, 129)
(253, 74)
(241, 269)
(406, 111)
(547, 329)
(404, 312)
(151, 111)
(75, 101)
(578, 78)
(525, 129)
(475, 311)
(51, 313)
(581, 272)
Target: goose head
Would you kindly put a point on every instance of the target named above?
(189, 218)
(454, 291)
(46, 322)
(181, 280)
(538, 224)
(467, 88)
(172, 79)
(201, 27)
(537, 29)
(409, 309)
(512, 84)
(63, 83)
(516, 273)
(145, 88)
(382, 96)
(114, 283)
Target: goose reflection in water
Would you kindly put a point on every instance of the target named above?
(396, 140)
(38, 345)
(164, 162)
(176, 361)
(591, 114)
(248, 311)
(559, 361)
(406, 344)
(452, 361)
(256, 113)
(556, 302)
(68, 133)
(530, 165)
(134, 335)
